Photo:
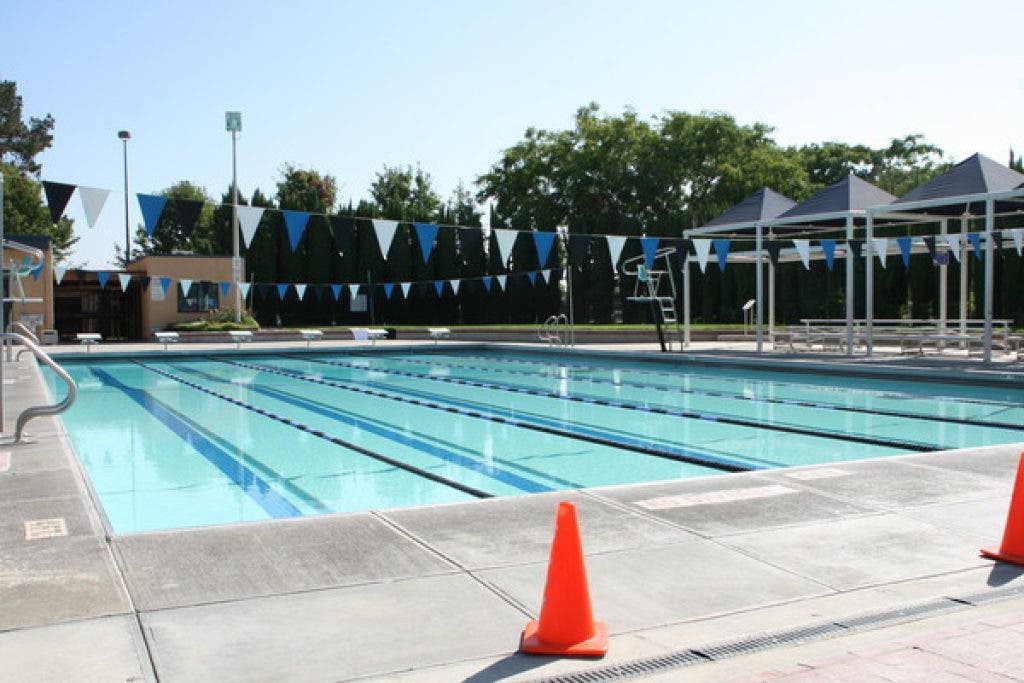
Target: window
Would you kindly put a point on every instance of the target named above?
(201, 297)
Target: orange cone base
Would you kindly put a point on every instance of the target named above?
(596, 646)
(1005, 557)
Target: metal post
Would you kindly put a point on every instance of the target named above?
(964, 227)
(124, 137)
(369, 296)
(3, 295)
(572, 317)
(849, 289)
(759, 287)
(943, 285)
(771, 302)
(989, 278)
(869, 282)
(686, 299)
(233, 123)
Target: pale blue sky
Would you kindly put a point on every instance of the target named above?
(345, 87)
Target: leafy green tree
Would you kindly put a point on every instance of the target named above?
(25, 213)
(20, 143)
(306, 190)
(462, 209)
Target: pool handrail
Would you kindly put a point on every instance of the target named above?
(548, 330)
(21, 328)
(39, 411)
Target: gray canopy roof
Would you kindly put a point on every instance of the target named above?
(849, 194)
(763, 205)
(976, 174)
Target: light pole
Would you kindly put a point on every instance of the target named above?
(125, 136)
(233, 123)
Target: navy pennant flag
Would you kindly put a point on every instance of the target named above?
(342, 228)
(579, 245)
(774, 248)
(188, 214)
(57, 197)
(855, 247)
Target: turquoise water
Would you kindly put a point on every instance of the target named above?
(195, 440)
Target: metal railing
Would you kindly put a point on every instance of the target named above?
(548, 331)
(22, 329)
(39, 411)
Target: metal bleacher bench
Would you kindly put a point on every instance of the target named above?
(311, 335)
(239, 336)
(87, 339)
(437, 333)
(166, 338)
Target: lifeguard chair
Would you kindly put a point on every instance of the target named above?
(657, 287)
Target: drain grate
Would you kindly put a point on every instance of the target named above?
(748, 645)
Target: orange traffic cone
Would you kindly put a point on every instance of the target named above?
(1012, 548)
(566, 625)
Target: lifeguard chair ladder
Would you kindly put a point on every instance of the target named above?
(657, 287)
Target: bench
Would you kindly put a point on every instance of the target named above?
(87, 339)
(371, 333)
(311, 335)
(437, 333)
(239, 336)
(166, 338)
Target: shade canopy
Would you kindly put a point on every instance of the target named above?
(834, 203)
(763, 205)
(975, 175)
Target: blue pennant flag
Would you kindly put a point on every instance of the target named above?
(829, 247)
(282, 291)
(487, 282)
(165, 282)
(152, 207)
(295, 224)
(225, 289)
(905, 244)
(439, 285)
(336, 291)
(543, 241)
(721, 251)
(388, 288)
(532, 276)
(426, 233)
(103, 276)
(650, 247)
(975, 238)
(37, 271)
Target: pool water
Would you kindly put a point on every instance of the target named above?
(183, 440)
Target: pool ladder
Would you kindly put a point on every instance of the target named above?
(37, 411)
(549, 330)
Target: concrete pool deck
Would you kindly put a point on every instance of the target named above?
(878, 559)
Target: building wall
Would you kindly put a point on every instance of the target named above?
(157, 315)
(37, 316)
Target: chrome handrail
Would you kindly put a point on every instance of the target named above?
(16, 326)
(39, 411)
(548, 331)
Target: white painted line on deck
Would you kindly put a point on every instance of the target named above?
(45, 528)
(5, 461)
(818, 473)
(714, 497)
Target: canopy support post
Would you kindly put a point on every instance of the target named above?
(943, 284)
(869, 282)
(989, 278)
(964, 227)
(686, 299)
(759, 288)
(849, 289)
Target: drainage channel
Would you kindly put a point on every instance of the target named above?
(650, 666)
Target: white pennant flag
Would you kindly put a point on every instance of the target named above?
(615, 245)
(703, 249)
(405, 289)
(803, 247)
(455, 285)
(506, 240)
(243, 287)
(124, 278)
(881, 245)
(1018, 239)
(93, 199)
(58, 273)
(954, 245)
(353, 290)
(301, 291)
(502, 279)
(546, 274)
(385, 234)
(185, 286)
(248, 220)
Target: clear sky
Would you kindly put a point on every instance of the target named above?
(347, 87)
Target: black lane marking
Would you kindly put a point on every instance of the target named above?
(693, 459)
(727, 395)
(688, 414)
(426, 474)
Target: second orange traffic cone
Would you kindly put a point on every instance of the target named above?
(1012, 547)
(566, 625)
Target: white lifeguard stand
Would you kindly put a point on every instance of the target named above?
(657, 287)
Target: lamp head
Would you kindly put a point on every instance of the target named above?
(124, 135)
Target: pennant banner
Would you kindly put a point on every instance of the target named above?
(439, 286)
(881, 245)
(803, 247)
(295, 223)
(243, 287)
(502, 281)
(300, 290)
(282, 291)
(929, 243)
(125, 279)
(342, 228)
(615, 245)
(385, 231)
(405, 288)
(103, 276)
(650, 248)
(426, 233)
(488, 281)
(152, 207)
(58, 272)
(506, 240)
(353, 291)
(455, 285)
(248, 220)
(975, 240)
(828, 247)
(186, 285)
(954, 245)
(703, 249)
(722, 252)
(543, 241)
(336, 292)
(93, 199)
(57, 197)
(37, 271)
(1018, 239)
(165, 284)
(905, 245)
(856, 248)
(774, 248)
(225, 289)
(532, 277)
(578, 247)
(188, 211)
(388, 290)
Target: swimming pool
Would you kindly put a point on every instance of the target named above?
(188, 440)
